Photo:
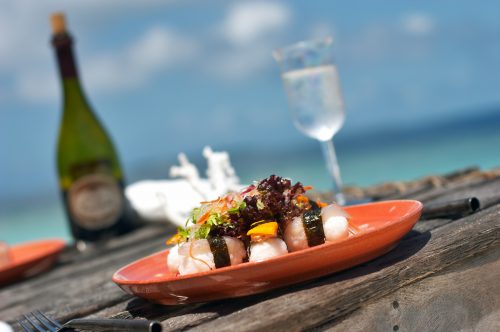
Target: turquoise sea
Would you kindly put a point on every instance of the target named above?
(369, 160)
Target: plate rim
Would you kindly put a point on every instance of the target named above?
(57, 249)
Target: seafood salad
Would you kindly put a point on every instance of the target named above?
(267, 219)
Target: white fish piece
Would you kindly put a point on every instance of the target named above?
(196, 256)
(295, 236)
(335, 222)
(335, 226)
(269, 248)
(236, 249)
(173, 259)
(334, 210)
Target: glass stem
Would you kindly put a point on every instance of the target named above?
(334, 170)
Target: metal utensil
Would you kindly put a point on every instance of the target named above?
(451, 209)
(39, 322)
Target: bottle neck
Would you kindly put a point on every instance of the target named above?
(63, 45)
(72, 91)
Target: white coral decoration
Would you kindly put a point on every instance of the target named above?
(189, 172)
(172, 200)
(220, 173)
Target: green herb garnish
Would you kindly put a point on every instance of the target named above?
(193, 216)
(238, 207)
(202, 232)
(183, 233)
(215, 219)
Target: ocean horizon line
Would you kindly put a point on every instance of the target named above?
(347, 144)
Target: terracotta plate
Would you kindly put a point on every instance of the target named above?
(29, 259)
(382, 225)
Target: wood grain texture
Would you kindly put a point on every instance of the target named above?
(337, 296)
(464, 298)
(488, 192)
(74, 289)
(76, 265)
(429, 184)
(427, 261)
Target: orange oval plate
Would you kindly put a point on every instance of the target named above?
(382, 226)
(29, 259)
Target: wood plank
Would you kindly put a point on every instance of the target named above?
(146, 237)
(61, 275)
(201, 314)
(424, 226)
(464, 298)
(147, 232)
(81, 286)
(337, 296)
(137, 308)
(405, 189)
(190, 316)
(77, 295)
(488, 192)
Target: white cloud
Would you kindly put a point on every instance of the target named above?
(239, 64)
(157, 49)
(418, 24)
(24, 24)
(26, 61)
(244, 40)
(246, 22)
(247, 36)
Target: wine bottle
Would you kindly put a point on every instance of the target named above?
(90, 175)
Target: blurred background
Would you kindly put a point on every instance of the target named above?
(421, 83)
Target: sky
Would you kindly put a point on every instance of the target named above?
(172, 76)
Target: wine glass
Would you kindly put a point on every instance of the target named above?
(315, 101)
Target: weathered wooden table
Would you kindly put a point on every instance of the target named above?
(444, 276)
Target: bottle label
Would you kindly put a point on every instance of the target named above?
(95, 201)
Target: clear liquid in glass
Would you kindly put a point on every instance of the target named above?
(315, 100)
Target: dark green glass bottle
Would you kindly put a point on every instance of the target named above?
(90, 175)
